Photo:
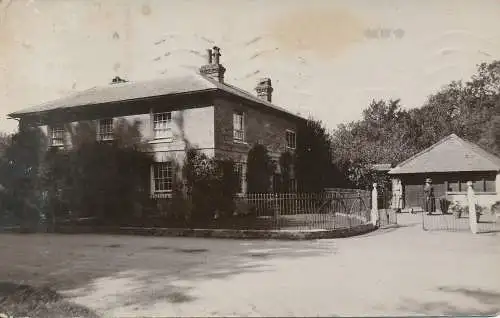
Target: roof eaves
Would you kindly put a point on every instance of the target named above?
(26, 113)
(400, 165)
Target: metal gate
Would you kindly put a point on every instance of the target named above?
(456, 218)
(387, 211)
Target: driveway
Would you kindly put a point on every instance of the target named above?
(399, 271)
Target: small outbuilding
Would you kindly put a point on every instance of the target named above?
(449, 163)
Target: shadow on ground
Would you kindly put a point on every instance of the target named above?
(136, 271)
(485, 298)
(27, 301)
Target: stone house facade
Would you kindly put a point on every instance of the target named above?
(198, 110)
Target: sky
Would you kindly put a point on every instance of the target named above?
(326, 58)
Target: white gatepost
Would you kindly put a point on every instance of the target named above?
(471, 200)
(374, 205)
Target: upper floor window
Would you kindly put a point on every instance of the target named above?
(163, 176)
(162, 125)
(290, 139)
(239, 126)
(105, 129)
(57, 135)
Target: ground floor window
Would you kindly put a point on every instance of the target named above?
(56, 133)
(239, 169)
(479, 184)
(163, 175)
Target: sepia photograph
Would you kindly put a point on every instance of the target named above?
(249, 158)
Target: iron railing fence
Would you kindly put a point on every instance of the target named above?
(443, 214)
(288, 211)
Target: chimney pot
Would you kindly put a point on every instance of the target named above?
(264, 89)
(209, 55)
(213, 69)
(216, 55)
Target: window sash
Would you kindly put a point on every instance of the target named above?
(290, 140)
(105, 129)
(57, 135)
(162, 125)
(163, 176)
(238, 126)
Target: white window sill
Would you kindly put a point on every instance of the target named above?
(475, 192)
(158, 140)
(236, 141)
(161, 194)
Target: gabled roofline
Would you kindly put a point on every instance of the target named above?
(422, 152)
(470, 145)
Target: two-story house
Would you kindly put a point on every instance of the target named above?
(198, 109)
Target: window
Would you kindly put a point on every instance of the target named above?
(489, 185)
(162, 176)
(238, 126)
(290, 139)
(478, 185)
(239, 169)
(162, 125)
(454, 186)
(57, 135)
(105, 129)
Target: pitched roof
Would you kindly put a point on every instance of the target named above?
(450, 154)
(382, 166)
(129, 91)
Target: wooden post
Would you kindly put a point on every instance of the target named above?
(375, 220)
(472, 207)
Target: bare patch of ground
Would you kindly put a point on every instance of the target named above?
(398, 271)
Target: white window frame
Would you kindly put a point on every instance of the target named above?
(105, 129)
(57, 135)
(288, 144)
(239, 134)
(162, 172)
(162, 125)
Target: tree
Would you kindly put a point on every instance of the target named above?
(384, 135)
(260, 169)
(314, 167)
(18, 173)
(211, 184)
(389, 134)
(108, 181)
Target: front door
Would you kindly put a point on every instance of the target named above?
(413, 194)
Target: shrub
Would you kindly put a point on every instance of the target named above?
(260, 169)
(211, 185)
(495, 208)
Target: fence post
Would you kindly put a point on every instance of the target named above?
(472, 207)
(374, 215)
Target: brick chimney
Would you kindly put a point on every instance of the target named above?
(213, 68)
(264, 89)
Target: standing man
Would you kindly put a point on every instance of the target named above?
(430, 204)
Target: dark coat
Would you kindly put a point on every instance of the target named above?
(430, 202)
